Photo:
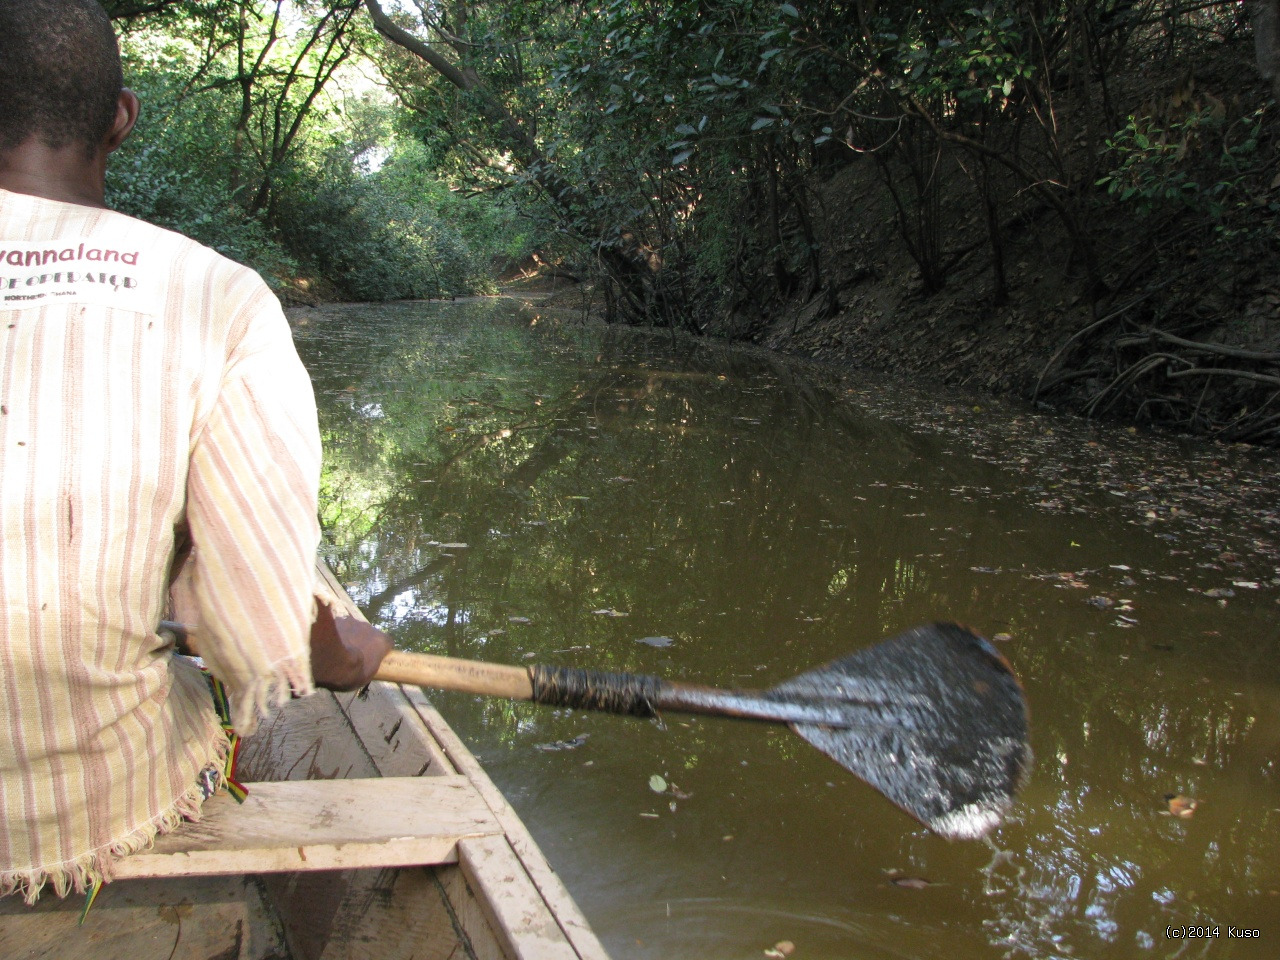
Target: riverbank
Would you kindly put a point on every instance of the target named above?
(1140, 284)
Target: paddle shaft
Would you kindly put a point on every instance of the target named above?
(621, 693)
(618, 693)
(450, 673)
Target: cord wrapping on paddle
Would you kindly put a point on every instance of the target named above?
(625, 693)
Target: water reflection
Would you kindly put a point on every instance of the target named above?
(508, 490)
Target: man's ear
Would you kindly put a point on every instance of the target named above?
(127, 108)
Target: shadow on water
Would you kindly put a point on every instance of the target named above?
(507, 486)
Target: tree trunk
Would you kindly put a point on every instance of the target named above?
(1264, 15)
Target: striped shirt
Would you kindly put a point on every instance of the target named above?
(150, 394)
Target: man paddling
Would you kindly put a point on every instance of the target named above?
(157, 431)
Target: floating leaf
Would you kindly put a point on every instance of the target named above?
(657, 784)
(656, 641)
(1180, 806)
(911, 883)
(572, 744)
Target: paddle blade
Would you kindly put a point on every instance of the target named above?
(937, 723)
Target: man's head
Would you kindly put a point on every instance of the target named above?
(60, 76)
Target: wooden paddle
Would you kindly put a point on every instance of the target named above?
(933, 718)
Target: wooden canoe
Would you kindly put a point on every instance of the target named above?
(370, 832)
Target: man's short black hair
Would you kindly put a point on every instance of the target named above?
(60, 75)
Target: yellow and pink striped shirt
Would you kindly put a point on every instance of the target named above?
(149, 391)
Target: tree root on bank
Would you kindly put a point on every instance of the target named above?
(1160, 377)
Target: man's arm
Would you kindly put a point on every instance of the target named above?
(252, 485)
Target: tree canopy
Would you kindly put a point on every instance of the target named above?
(683, 153)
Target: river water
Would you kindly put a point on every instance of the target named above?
(508, 485)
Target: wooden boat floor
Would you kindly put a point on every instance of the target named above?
(375, 782)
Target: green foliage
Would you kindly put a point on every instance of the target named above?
(673, 145)
(1196, 161)
(374, 243)
(173, 171)
(974, 56)
(247, 144)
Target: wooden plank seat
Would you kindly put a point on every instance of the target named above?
(303, 825)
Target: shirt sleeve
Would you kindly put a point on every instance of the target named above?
(252, 487)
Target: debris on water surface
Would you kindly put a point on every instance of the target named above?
(911, 883)
(657, 784)
(1179, 806)
(656, 641)
(571, 744)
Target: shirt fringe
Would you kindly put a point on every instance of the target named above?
(98, 866)
(260, 699)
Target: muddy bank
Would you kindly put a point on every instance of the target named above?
(1188, 341)
(1159, 310)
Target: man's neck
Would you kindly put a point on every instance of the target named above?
(70, 174)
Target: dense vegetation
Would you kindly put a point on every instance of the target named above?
(720, 164)
(264, 136)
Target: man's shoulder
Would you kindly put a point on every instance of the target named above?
(53, 252)
(83, 236)
(167, 244)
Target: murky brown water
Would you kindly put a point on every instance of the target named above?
(636, 503)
